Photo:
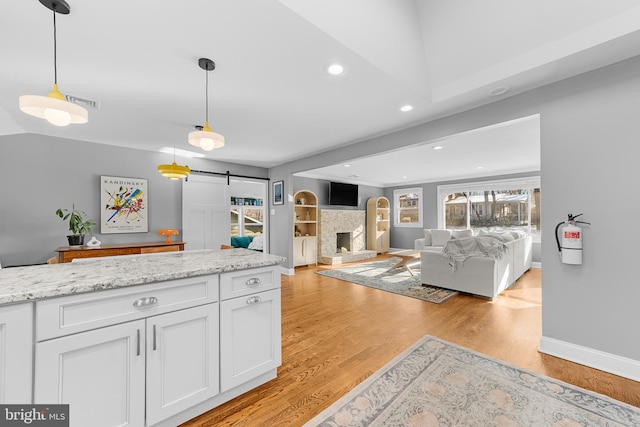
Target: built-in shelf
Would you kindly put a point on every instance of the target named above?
(378, 224)
(305, 228)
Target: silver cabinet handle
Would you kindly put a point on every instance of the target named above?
(253, 281)
(144, 302)
(254, 300)
(154, 338)
(138, 344)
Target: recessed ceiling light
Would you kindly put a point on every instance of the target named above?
(479, 167)
(405, 177)
(437, 147)
(347, 165)
(406, 108)
(179, 152)
(335, 69)
(499, 90)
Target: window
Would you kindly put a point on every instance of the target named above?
(491, 205)
(246, 219)
(247, 211)
(407, 205)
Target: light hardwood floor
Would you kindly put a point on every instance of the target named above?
(335, 334)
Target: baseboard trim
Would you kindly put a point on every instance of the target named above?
(536, 265)
(607, 362)
(287, 271)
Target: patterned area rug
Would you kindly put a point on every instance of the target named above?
(382, 275)
(436, 383)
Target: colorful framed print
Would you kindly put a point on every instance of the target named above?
(124, 205)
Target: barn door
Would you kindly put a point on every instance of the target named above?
(205, 212)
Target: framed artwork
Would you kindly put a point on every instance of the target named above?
(124, 205)
(278, 198)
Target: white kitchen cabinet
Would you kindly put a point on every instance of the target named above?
(250, 325)
(156, 354)
(112, 354)
(305, 250)
(102, 373)
(250, 337)
(99, 373)
(16, 346)
(182, 360)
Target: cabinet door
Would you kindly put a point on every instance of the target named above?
(250, 337)
(182, 360)
(298, 251)
(16, 335)
(382, 242)
(310, 250)
(305, 250)
(100, 374)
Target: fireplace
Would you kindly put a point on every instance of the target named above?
(342, 229)
(343, 242)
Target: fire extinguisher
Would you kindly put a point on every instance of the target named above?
(570, 246)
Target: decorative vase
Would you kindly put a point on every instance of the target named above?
(76, 239)
(93, 242)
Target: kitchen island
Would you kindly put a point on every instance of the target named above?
(140, 340)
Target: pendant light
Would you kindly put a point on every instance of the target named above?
(204, 138)
(53, 107)
(174, 171)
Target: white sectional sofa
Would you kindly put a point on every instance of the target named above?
(485, 276)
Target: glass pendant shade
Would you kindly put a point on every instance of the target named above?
(174, 171)
(206, 139)
(54, 108)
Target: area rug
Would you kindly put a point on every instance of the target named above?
(436, 383)
(383, 275)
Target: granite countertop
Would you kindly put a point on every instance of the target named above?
(94, 274)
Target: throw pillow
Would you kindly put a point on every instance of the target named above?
(517, 234)
(461, 234)
(427, 237)
(241, 241)
(257, 243)
(440, 237)
(507, 237)
(503, 237)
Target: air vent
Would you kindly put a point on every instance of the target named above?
(87, 103)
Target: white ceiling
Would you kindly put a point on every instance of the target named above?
(501, 149)
(270, 95)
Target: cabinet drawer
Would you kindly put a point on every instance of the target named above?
(56, 317)
(102, 252)
(245, 282)
(156, 249)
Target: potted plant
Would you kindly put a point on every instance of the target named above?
(78, 226)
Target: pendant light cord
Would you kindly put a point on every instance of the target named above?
(55, 50)
(206, 95)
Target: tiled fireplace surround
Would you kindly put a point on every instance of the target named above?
(333, 222)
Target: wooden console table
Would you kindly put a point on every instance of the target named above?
(66, 253)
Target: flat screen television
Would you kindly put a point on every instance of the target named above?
(341, 194)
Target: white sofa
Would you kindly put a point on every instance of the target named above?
(484, 276)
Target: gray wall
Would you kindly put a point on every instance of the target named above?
(589, 131)
(39, 174)
(403, 237)
(589, 124)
